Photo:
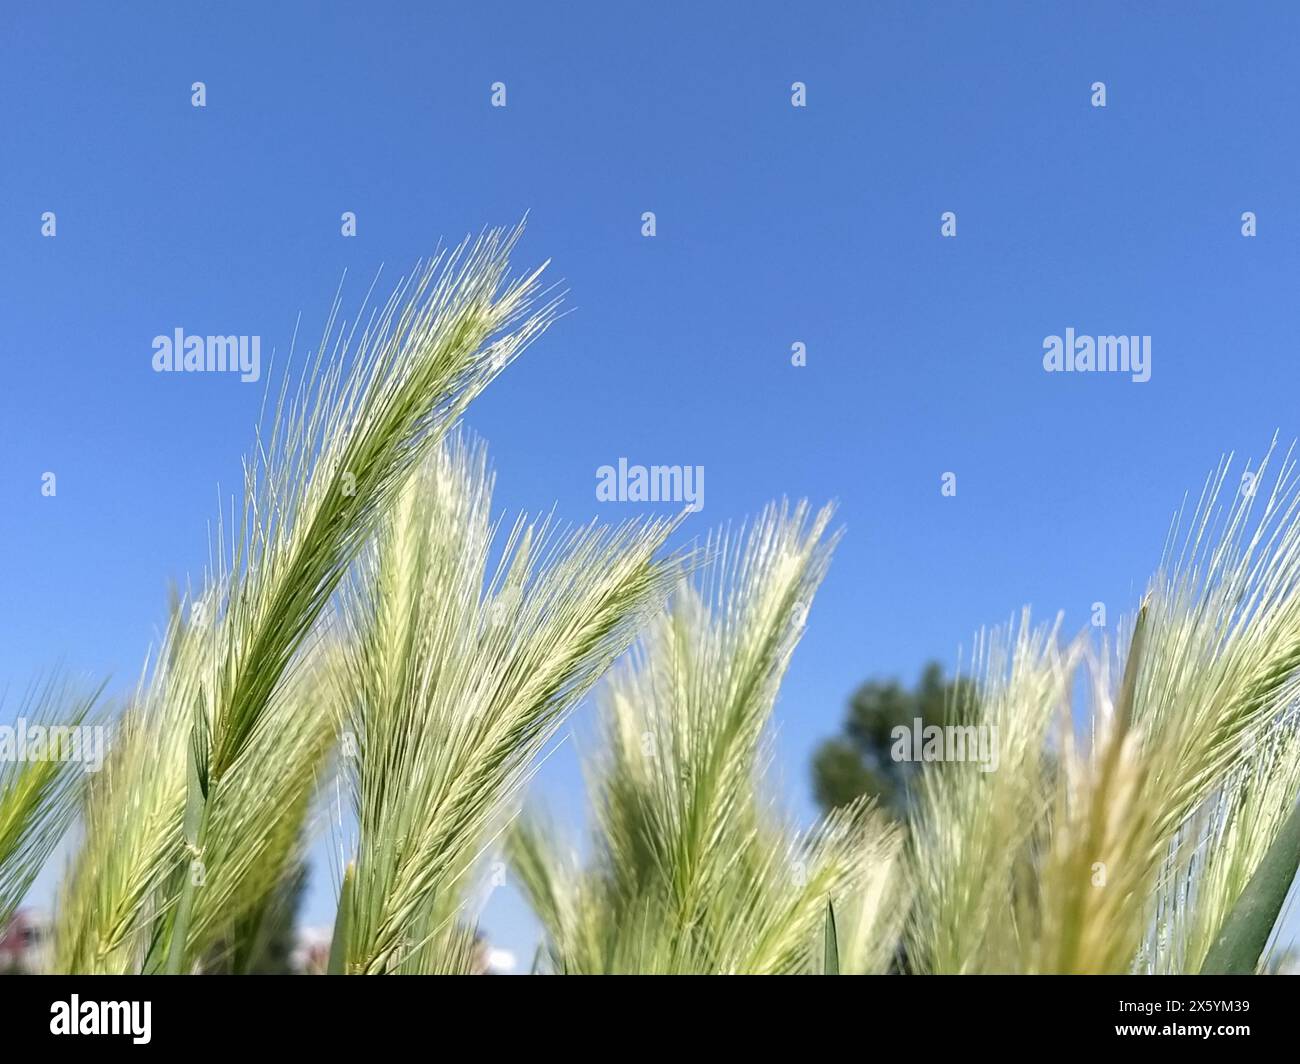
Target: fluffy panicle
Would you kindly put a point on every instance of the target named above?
(458, 670)
(693, 871)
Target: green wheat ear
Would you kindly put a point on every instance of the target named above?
(38, 799)
(694, 869)
(328, 465)
(464, 652)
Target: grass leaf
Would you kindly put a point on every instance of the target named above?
(830, 943)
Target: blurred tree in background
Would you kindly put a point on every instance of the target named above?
(858, 762)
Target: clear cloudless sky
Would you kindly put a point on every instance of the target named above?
(776, 225)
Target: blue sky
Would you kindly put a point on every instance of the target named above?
(775, 225)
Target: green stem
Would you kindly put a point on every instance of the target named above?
(1245, 932)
